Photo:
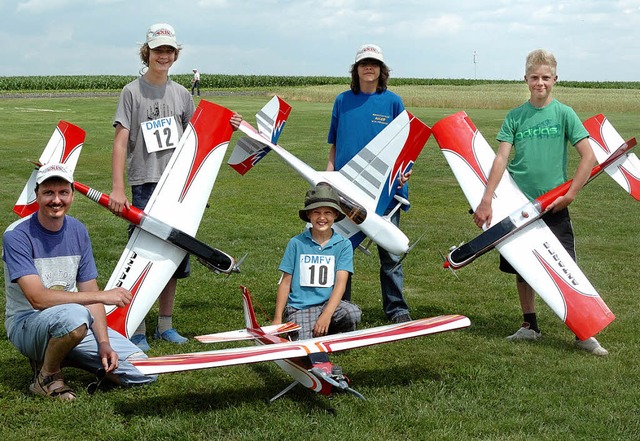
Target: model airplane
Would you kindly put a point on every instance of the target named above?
(64, 147)
(533, 250)
(179, 201)
(366, 185)
(307, 361)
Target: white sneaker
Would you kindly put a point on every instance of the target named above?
(525, 333)
(592, 345)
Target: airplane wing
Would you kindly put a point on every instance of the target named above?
(534, 251)
(64, 147)
(604, 140)
(302, 348)
(180, 198)
(374, 172)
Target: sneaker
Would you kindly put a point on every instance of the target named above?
(401, 318)
(525, 333)
(140, 340)
(592, 345)
(171, 335)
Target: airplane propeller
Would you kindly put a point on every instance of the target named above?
(446, 264)
(408, 250)
(336, 379)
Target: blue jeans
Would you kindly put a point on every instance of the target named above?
(391, 281)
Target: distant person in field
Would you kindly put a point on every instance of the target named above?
(315, 268)
(540, 164)
(358, 115)
(153, 96)
(195, 82)
(55, 312)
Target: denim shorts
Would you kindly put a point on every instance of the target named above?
(32, 330)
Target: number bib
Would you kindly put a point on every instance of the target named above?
(160, 134)
(317, 271)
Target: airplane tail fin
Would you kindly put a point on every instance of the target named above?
(249, 313)
(270, 120)
(604, 141)
(63, 147)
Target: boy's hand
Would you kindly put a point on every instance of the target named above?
(482, 214)
(236, 120)
(404, 178)
(322, 325)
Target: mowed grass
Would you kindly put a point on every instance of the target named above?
(461, 385)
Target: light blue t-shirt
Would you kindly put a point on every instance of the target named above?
(314, 268)
(61, 259)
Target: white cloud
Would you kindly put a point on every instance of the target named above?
(313, 37)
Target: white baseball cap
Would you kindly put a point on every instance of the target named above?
(54, 171)
(161, 34)
(369, 51)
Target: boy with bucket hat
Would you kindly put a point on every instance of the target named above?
(315, 268)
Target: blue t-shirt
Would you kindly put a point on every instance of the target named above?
(61, 259)
(358, 118)
(313, 267)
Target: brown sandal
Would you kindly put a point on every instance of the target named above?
(52, 386)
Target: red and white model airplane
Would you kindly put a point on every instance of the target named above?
(307, 361)
(521, 237)
(169, 222)
(366, 185)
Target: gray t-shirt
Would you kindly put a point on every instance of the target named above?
(141, 101)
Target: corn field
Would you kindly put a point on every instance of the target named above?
(116, 82)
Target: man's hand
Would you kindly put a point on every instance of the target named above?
(108, 356)
(119, 297)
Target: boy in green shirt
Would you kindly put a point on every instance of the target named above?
(538, 131)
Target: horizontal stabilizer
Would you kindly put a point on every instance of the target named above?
(604, 140)
(243, 334)
(270, 120)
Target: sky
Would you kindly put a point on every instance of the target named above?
(593, 40)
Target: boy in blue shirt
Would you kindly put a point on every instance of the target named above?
(315, 268)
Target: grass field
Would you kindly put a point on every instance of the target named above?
(462, 385)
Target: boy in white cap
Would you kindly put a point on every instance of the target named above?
(153, 96)
(55, 312)
(315, 268)
(358, 115)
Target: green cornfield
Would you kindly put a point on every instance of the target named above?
(215, 81)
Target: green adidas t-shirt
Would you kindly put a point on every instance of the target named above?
(539, 138)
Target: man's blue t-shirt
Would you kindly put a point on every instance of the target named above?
(61, 259)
